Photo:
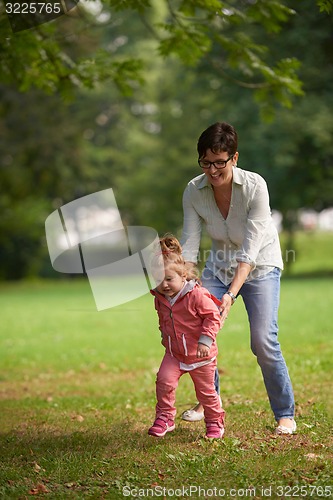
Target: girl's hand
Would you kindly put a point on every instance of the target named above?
(241, 274)
(202, 351)
(225, 307)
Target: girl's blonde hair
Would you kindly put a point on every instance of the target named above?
(169, 254)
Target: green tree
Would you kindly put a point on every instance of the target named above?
(44, 57)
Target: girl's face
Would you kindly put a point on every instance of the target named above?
(171, 284)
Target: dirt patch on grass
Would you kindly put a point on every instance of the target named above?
(48, 385)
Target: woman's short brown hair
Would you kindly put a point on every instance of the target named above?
(218, 137)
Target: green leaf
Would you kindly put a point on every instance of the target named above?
(190, 7)
(325, 5)
(270, 14)
(188, 43)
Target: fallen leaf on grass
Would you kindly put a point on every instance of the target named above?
(37, 468)
(312, 456)
(37, 490)
(70, 485)
(78, 418)
(308, 479)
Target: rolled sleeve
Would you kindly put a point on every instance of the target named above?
(192, 227)
(211, 320)
(259, 219)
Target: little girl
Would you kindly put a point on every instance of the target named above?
(189, 321)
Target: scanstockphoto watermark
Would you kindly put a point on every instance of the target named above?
(87, 236)
(228, 254)
(24, 15)
(195, 491)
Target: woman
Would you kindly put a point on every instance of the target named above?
(245, 256)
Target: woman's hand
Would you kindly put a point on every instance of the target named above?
(202, 351)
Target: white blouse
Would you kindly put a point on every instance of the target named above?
(248, 234)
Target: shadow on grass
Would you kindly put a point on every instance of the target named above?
(117, 443)
(95, 462)
(33, 443)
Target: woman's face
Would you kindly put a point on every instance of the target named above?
(218, 166)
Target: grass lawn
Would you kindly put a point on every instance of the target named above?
(77, 395)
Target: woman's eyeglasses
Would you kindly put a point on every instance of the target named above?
(217, 164)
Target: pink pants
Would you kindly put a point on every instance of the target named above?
(203, 378)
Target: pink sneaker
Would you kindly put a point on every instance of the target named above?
(161, 426)
(214, 430)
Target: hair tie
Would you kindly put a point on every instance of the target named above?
(164, 252)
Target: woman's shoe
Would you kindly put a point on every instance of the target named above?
(282, 429)
(193, 415)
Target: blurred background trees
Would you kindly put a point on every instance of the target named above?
(116, 95)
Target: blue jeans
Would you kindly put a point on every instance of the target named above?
(261, 298)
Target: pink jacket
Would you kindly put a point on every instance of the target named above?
(193, 317)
